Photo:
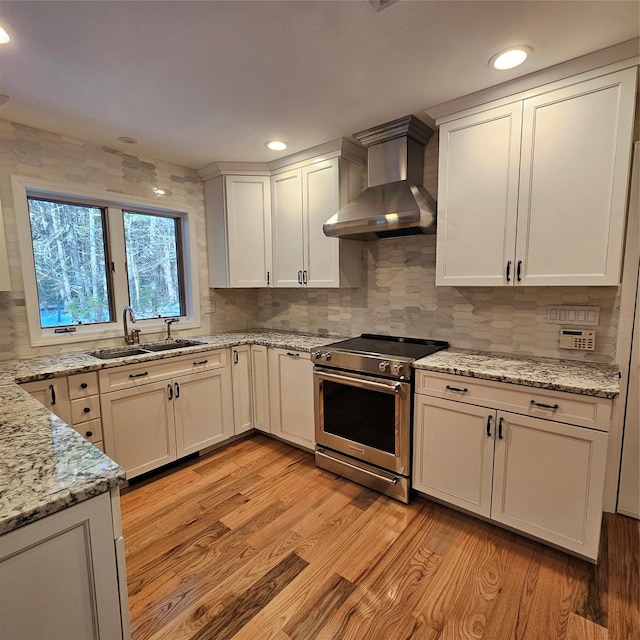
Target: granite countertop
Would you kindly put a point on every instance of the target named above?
(586, 378)
(45, 465)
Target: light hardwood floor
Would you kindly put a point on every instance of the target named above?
(254, 542)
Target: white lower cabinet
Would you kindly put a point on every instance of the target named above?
(53, 394)
(151, 424)
(139, 427)
(241, 378)
(291, 386)
(531, 474)
(260, 387)
(59, 577)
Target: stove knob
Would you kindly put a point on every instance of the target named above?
(384, 366)
(398, 369)
(326, 356)
(316, 355)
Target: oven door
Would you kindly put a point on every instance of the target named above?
(364, 417)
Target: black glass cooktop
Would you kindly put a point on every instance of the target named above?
(390, 346)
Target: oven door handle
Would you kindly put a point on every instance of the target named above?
(394, 480)
(392, 387)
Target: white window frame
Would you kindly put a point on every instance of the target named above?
(115, 203)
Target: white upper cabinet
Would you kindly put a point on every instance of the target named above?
(286, 194)
(239, 230)
(261, 215)
(533, 192)
(303, 199)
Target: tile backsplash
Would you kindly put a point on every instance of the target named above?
(398, 295)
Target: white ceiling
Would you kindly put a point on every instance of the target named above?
(197, 82)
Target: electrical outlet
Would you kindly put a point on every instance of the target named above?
(208, 306)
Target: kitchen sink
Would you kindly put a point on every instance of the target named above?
(166, 346)
(117, 352)
(123, 352)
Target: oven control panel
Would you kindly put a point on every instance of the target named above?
(373, 364)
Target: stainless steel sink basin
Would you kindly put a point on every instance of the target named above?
(118, 352)
(167, 346)
(143, 349)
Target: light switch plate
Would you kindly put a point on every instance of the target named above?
(573, 315)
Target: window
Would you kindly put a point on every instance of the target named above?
(154, 265)
(69, 254)
(86, 257)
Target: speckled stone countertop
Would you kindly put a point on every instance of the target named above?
(45, 465)
(586, 378)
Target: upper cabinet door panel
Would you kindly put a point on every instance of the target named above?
(321, 201)
(477, 197)
(576, 147)
(249, 222)
(286, 192)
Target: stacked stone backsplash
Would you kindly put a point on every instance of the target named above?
(398, 295)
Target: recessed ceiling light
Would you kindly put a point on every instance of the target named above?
(510, 58)
(4, 36)
(276, 145)
(159, 192)
(128, 140)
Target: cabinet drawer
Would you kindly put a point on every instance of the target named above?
(91, 430)
(135, 375)
(82, 385)
(570, 408)
(85, 409)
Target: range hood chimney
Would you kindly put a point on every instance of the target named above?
(395, 203)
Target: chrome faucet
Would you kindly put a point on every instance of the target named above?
(169, 322)
(133, 336)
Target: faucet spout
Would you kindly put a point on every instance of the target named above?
(133, 336)
(169, 322)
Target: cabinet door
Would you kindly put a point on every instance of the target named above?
(320, 201)
(138, 427)
(241, 378)
(260, 387)
(288, 259)
(58, 577)
(203, 407)
(478, 198)
(53, 394)
(248, 205)
(548, 481)
(291, 383)
(576, 145)
(453, 452)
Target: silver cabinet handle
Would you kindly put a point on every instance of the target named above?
(299, 277)
(304, 277)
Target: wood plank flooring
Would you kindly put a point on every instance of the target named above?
(253, 542)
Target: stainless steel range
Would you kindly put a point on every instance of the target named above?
(363, 409)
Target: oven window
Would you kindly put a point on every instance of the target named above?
(360, 415)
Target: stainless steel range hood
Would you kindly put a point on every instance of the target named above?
(395, 203)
